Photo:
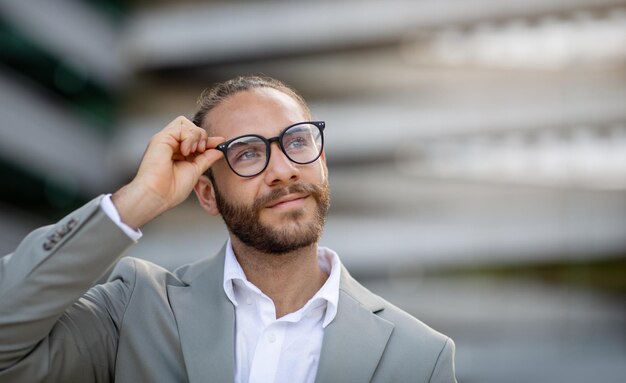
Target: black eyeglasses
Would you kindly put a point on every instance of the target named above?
(249, 155)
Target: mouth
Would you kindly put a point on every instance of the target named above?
(287, 201)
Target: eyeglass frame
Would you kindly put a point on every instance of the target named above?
(223, 147)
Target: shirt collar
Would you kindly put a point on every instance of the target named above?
(232, 272)
(328, 293)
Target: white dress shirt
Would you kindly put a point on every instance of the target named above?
(283, 350)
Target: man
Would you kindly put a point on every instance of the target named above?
(271, 306)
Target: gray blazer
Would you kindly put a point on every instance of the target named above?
(146, 324)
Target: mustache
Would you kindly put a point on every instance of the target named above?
(298, 188)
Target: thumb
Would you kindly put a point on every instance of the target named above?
(204, 161)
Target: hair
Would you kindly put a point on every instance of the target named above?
(212, 97)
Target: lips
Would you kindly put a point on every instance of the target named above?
(286, 199)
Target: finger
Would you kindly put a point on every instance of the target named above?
(206, 144)
(202, 145)
(181, 134)
(180, 125)
(205, 160)
(190, 140)
(212, 142)
(209, 143)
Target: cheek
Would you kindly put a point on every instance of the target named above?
(317, 172)
(238, 190)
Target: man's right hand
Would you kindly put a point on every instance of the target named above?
(175, 159)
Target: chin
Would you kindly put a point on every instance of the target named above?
(287, 218)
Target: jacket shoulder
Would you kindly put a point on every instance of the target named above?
(410, 328)
(415, 348)
(139, 272)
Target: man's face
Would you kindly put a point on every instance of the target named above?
(283, 208)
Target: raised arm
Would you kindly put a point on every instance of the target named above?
(48, 323)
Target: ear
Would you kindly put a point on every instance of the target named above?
(206, 195)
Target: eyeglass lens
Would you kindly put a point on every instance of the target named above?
(301, 143)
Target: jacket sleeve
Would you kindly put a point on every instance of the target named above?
(443, 372)
(51, 327)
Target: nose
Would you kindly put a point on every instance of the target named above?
(280, 169)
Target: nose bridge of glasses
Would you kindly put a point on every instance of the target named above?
(273, 139)
(279, 146)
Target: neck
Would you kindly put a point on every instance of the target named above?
(289, 279)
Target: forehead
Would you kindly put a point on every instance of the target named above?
(263, 111)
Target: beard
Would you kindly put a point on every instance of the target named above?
(244, 222)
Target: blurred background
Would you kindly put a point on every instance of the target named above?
(477, 149)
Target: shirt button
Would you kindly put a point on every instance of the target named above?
(248, 301)
(271, 337)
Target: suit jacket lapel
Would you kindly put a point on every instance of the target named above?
(355, 340)
(206, 321)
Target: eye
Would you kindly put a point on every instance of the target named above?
(297, 139)
(246, 150)
(296, 143)
(247, 155)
